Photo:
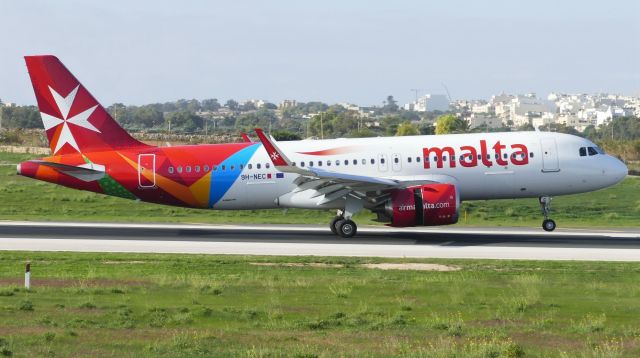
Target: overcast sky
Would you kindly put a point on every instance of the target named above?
(138, 52)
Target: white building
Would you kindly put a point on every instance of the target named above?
(482, 119)
(429, 103)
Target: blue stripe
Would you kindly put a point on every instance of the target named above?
(222, 180)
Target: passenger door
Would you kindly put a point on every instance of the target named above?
(550, 162)
(147, 170)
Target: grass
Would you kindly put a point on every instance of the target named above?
(28, 199)
(137, 305)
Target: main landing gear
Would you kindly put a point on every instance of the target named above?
(342, 224)
(343, 227)
(545, 206)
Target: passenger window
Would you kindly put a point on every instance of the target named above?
(408, 159)
(250, 166)
(364, 161)
(583, 151)
(373, 161)
(381, 160)
(188, 169)
(319, 163)
(337, 162)
(258, 166)
(311, 163)
(346, 162)
(241, 166)
(444, 158)
(215, 167)
(530, 155)
(197, 169)
(224, 167)
(206, 168)
(395, 160)
(293, 164)
(479, 156)
(328, 163)
(267, 165)
(302, 164)
(232, 167)
(179, 169)
(417, 159)
(592, 151)
(170, 169)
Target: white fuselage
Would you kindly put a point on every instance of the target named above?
(485, 166)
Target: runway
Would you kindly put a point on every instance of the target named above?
(371, 241)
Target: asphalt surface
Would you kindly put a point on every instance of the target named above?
(444, 242)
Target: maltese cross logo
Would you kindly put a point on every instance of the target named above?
(64, 106)
(275, 155)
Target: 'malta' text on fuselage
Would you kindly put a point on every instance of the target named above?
(469, 155)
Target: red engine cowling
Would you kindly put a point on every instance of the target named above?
(424, 205)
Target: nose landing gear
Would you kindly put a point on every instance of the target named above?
(545, 206)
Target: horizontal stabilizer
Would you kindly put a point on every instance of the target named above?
(85, 172)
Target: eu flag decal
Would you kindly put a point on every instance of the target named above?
(279, 175)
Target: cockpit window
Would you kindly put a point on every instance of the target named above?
(583, 151)
(592, 151)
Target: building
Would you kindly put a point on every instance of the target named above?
(287, 103)
(429, 103)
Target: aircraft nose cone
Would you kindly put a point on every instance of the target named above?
(617, 170)
(18, 171)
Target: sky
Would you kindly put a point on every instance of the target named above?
(354, 51)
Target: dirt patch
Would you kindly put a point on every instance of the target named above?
(412, 266)
(61, 282)
(123, 262)
(297, 264)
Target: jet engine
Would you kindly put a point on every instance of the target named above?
(423, 205)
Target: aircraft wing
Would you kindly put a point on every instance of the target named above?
(333, 185)
(245, 137)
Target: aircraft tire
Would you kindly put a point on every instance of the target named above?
(346, 228)
(548, 225)
(333, 224)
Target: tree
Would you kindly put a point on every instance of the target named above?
(390, 105)
(284, 135)
(407, 128)
(449, 123)
(187, 121)
(231, 104)
(210, 104)
(269, 105)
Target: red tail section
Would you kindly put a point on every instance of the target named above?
(73, 119)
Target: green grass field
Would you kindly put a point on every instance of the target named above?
(29, 199)
(136, 305)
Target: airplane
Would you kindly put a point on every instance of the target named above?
(405, 181)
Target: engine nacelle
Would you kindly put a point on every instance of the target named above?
(424, 205)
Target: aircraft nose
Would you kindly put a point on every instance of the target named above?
(616, 170)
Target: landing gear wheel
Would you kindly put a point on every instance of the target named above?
(548, 225)
(545, 206)
(332, 224)
(346, 228)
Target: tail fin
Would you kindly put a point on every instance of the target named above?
(73, 119)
